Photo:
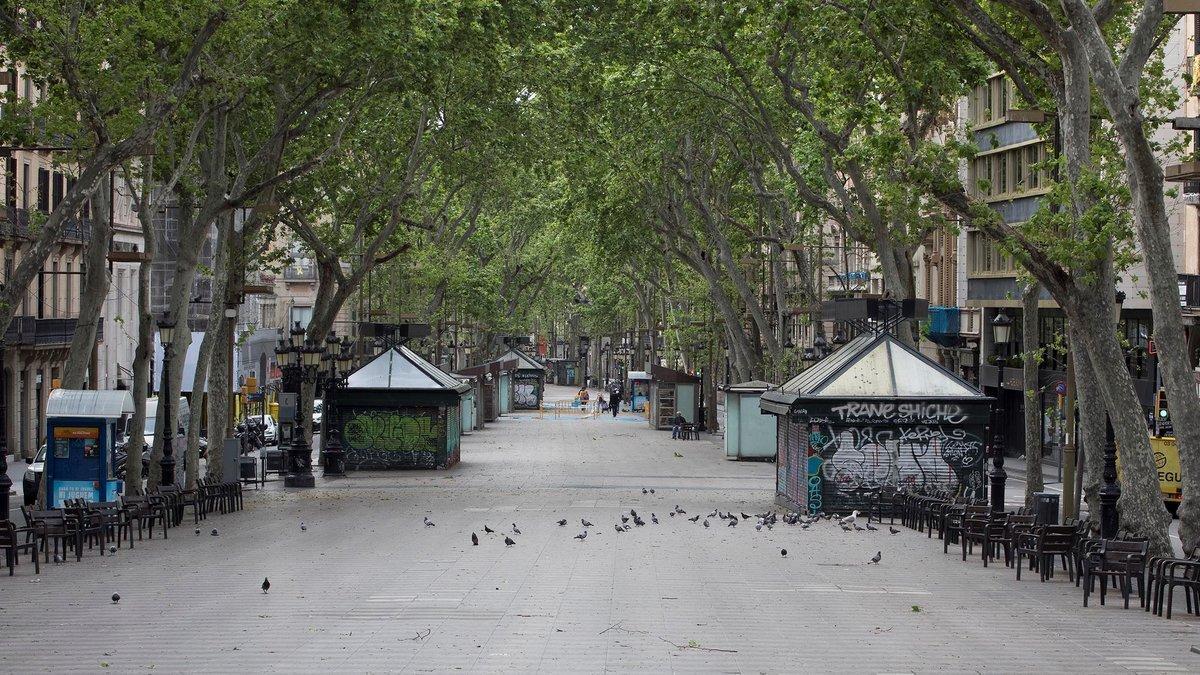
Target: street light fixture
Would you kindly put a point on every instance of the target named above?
(166, 335)
(340, 359)
(1110, 491)
(1001, 333)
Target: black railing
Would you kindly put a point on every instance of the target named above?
(16, 223)
(29, 330)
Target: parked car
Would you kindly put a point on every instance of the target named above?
(31, 482)
(318, 409)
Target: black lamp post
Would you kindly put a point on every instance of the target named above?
(585, 343)
(1110, 491)
(337, 370)
(1001, 333)
(166, 335)
(5, 481)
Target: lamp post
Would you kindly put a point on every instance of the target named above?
(1001, 333)
(585, 343)
(166, 335)
(1110, 491)
(338, 369)
(309, 358)
(5, 481)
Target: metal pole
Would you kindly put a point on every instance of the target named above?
(300, 471)
(167, 463)
(1110, 492)
(998, 477)
(5, 481)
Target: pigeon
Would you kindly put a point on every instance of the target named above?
(893, 530)
(112, 549)
(871, 527)
(653, 518)
(706, 522)
(695, 518)
(633, 513)
(638, 521)
(214, 532)
(679, 510)
(488, 529)
(877, 558)
(515, 529)
(581, 536)
(474, 539)
(585, 522)
(756, 527)
(644, 491)
(713, 514)
(744, 516)
(116, 597)
(651, 490)
(783, 552)
(508, 541)
(626, 528)
(266, 585)
(197, 532)
(733, 523)
(618, 528)
(672, 514)
(846, 528)
(562, 522)
(804, 526)
(857, 528)
(624, 519)
(678, 456)
(303, 527)
(428, 522)
(58, 559)
(850, 519)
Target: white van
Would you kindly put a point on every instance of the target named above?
(183, 414)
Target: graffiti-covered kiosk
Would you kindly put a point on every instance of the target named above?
(398, 411)
(528, 380)
(875, 415)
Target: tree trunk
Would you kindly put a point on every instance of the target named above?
(219, 388)
(213, 334)
(1141, 507)
(144, 352)
(1089, 401)
(1033, 417)
(94, 291)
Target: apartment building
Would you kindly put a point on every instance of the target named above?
(37, 341)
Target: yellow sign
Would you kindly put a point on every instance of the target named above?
(1166, 460)
(251, 384)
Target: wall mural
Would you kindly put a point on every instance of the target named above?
(527, 391)
(851, 464)
(405, 438)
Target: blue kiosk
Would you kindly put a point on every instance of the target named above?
(81, 431)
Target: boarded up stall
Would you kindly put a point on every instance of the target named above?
(875, 415)
(398, 411)
(495, 387)
(671, 391)
(470, 404)
(748, 433)
(528, 380)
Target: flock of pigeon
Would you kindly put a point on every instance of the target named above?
(761, 520)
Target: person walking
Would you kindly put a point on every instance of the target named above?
(614, 401)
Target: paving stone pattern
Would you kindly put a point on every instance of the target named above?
(367, 587)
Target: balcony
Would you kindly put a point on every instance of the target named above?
(944, 326)
(300, 272)
(16, 223)
(31, 331)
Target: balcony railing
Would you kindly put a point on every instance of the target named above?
(16, 223)
(35, 332)
(300, 273)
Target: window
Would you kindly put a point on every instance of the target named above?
(1033, 156)
(54, 289)
(25, 185)
(1019, 177)
(1002, 173)
(59, 188)
(43, 191)
(301, 314)
(985, 258)
(1002, 86)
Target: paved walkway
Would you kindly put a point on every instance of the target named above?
(367, 587)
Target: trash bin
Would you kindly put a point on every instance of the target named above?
(248, 470)
(1045, 508)
(274, 460)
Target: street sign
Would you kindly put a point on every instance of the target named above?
(1061, 388)
(1151, 348)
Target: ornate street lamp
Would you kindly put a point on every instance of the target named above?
(166, 335)
(339, 360)
(1001, 333)
(1110, 491)
(300, 468)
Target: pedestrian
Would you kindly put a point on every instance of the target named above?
(614, 401)
(601, 404)
(677, 422)
(583, 396)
